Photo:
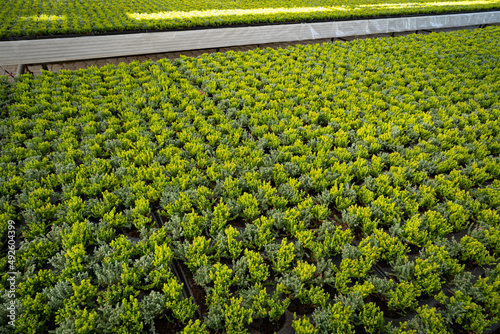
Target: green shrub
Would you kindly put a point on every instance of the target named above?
(303, 325)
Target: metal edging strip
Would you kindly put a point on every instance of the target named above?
(53, 50)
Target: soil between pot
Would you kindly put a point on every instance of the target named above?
(359, 329)
(197, 291)
(265, 326)
(162, 326)
(381, 302)
(297, 307)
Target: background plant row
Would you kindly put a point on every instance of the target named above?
(284, 178)
(24, 18)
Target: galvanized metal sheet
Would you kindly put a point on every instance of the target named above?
(53, 50)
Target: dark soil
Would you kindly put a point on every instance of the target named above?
(272, 274)
(469, 265)
(330, 290)
(297, 307)
(414, 249)
(381, 302)
(238, 222)
(198, 292)
(358, 234)
(131, 232)
(315, 224)
(226, 261)
(90, 250)
(265, 326)
(335, 215)
(360, 329)
(163, 326)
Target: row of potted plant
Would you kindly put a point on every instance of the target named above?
(288, 193)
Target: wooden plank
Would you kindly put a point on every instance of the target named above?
(53, 50)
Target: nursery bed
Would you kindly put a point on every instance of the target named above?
(342, 187)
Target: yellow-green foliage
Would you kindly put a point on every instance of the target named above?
(299, 169)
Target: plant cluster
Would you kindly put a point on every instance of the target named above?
(283, 178)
